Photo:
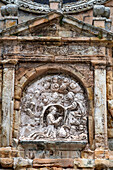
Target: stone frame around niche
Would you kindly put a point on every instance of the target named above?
(54, 69)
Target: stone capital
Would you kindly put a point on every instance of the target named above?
(10, 63)
(100, 67)
(99, 64)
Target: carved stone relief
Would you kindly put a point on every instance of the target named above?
(54, 108)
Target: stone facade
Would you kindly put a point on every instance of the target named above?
(56, 85)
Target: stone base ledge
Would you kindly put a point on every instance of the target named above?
(19, 163)
(8, 152)
(64, 163)
(93, 163)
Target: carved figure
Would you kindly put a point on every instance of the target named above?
(52, 122)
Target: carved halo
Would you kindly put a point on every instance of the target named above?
(73, 7)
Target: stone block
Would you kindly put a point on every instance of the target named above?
(20, 162)
(36, 168)
(14, 153)
(55, 168)
(65, 33)
(99, 23)
(45, 168)
(21, 154)
(16, 120)
(6, 162)
(65, 163)
(31, 74)
(84, 163)
(15, 133)
(87, 154)
(1, 25)
(22, 81)
(10, 23)
(17, 94)
(21, 168)
(17, 105)
(111, 163)
(110, 155)
(5, 152)
(90, 93)
(102, 163)
(54, 5)
(100, 154)
(20, 73)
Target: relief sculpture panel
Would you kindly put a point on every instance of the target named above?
(54, 108)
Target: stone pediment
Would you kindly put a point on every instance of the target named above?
(55, 24)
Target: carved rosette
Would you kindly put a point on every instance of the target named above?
(74, 7)
(54, 108)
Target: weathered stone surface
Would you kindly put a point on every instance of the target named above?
(64, 163)
(18, 92)
(110, 106)
(87, 154)
(5, 152)
(20, 162)
(7, 105)
(6, 162)
(17, 105)
(9, 10)
(84, 163)
(101, 11)
(100, 108)
(101, 154)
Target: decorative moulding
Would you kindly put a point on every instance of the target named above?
(73, 7)
(81, 5)
(30, 6)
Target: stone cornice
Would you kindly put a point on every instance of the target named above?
(73, 7)
(84, 27)
(57, 39)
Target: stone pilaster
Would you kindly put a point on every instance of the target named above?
(7, 102)
(0, 101)
(100, 108)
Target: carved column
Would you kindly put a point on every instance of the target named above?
(100, 108)
(7, 102)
